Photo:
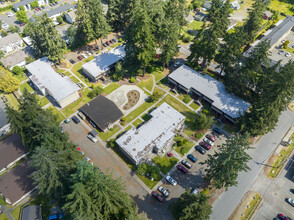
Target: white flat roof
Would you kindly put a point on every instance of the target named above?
(228, 103)
(137, 143)
(102, 61)
(44, 76)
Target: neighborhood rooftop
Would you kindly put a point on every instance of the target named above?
(17, 57)
(103, 61)
(22, 3)
(138, 142)
(228, 103)
(59, 10)
(11, 38)
(44, 76)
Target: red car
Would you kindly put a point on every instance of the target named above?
(107, 43)
(22, 24)
(37, 9)
(210, 137)
(283, 217)
(157, 196)
(110, 41)
(170, 155)
(181, 168)
(205, 145)
(80, 57)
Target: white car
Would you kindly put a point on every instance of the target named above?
(171, 180)
(280, 52)
(87, 159)
(177, 64)
(291, 201)
(208, 141)
(5, 26)
(84, 56)
(164, 191)
(194, 191)
(10, 14)
(92, 138)
(287, 54)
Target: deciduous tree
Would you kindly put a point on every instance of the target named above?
(22, 16)
(8, 83)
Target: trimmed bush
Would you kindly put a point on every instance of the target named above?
(132, 80)
(187, 99)
(199, 135)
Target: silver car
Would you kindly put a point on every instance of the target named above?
(164, 191)
(290, 201)
(171, 180)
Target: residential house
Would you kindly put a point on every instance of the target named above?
(102, 63)
(232, 24)
(207, 5)
(17, 58)
(267, 15)
(70, 17)
(155, 135)
(189, 18)
(48, 82)
(235, 5)
(210, 90)
(31, 212)
(27, 4)
(10, 43)
(200, 16)
(101, 112)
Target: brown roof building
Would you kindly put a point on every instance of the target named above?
(16, 184)
(11, 150)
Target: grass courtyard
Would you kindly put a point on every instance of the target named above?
(165, 163)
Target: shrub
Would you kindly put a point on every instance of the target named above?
(111, 143)
(120, 40)
(7, 8)
(87, 80)
(150, 69)
(4, 33)
(187, 99)
(199, 135)
(132, 80)
(203, 121)
(186, 38)
(92, 86)
(123, 119)
(285, 45)
(154, 97)
(17, 70)
(59, 19)
(111, 129)
(206, 111)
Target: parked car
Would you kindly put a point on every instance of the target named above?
(22, 24)
(210, 137)
(75, 119)
(107, 43)
(200, 149)
(87, 159)
(157, 196)
(10, 14)
(186, 164)
(290, 201)
(92, 138)
(84, 55)
(283, 217)
(110, 41)
(37, 9)
(170, 155)
(82, 116)
(66, 121)
(192, 158)
(182, 168)
(5, 26)
(280, 52)
(43, 7)
(194, 191)
(104, 45)
(88, 53)
(80, 57)
(208, 141)
(217, 130)
(164, 191)
(114, 40)
(72, 61)
(177, 64)
(205, 145)
(61, 129)
(171, 180)
(288, 54)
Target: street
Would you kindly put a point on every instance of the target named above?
(228, 200)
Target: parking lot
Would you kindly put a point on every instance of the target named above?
(108, 161)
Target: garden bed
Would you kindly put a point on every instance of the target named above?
(133, 98)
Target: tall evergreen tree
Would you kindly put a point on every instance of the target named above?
(224, 166)
(45, 38)
(189, 206)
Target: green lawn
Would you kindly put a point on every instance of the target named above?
(20, 77)
(128, 128)
(60, 71)
(3, 216)
(159, 91)
(280, 6)
(109, 89)
(148, 182)
(2, 201)
(148, 83)
(195, 25)
(175, 104)
(194, 106)
(15, 213)
(88, 59)
(137, 122)
(116, 44)
(60, 117)
(165, 163)
(252, 206)
(106, 135)
(77, 70)
(12, 100)
(43, 101)
(74, 79)
(138, 111)
(182, 150)
(158, 75)
(73, 107)
(290, 50)
(27, 86)
(67, 73)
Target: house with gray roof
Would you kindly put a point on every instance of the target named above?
(27, 4)
(155, 135)
(235, 5)
(210, 90)
(48, 82)
(103, 62)
(17, 58)
(10, 43)
(31, 212)
(282, 31)
(70, 17)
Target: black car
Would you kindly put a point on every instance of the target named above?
(72, 61)
(217, 130)
(200, 149)
(75, 119)
(104, 45)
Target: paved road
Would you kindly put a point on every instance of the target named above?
(227, 202)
